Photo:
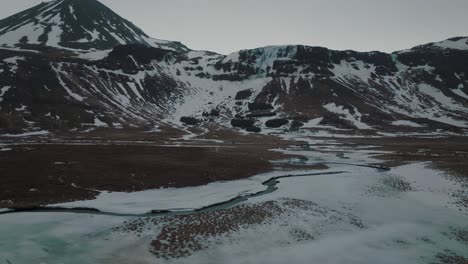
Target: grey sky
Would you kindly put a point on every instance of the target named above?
(225, 26)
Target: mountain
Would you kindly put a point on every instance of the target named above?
(81, 80)
(74, 24)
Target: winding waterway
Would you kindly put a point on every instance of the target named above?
(271, 186)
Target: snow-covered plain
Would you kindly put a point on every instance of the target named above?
(399, 226)
(406, 215)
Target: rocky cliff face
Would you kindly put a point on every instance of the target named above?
(72, 64)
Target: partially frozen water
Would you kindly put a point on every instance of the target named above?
(410, 214)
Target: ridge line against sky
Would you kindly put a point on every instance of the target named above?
(226, 26)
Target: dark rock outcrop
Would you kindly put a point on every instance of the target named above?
(275, 123)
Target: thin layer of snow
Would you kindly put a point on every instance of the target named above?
(118, 38)
(3, 91)
(13, 37)
(27, 134)
(461, 44)
(55, 34)
(313, 123)
(353, 118)
(155, 129)
(198, 53)
(5, 149)
(14, 62)
(406, 123)
(22, 108)
(425, 101)
(19, 49)
(99, 123)
(389, 217)
(353, 70)
(233, 58)
(460, 92)
(158, 43)
(438, 96)
(135, 91)
(124, 97)
(72, 11)
(83, 40)
(72, 94)
(93, 54)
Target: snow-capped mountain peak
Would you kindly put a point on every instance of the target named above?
(74, 24)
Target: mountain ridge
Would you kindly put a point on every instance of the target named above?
(67, 4)
(285, 87)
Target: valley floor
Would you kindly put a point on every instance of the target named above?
(169, 197)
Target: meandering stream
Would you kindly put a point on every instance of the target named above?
(271, 186)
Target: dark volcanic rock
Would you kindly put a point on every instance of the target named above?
(295, 125)
(254, 129)
(242, 123)
(275, 123)
(244, 94)
(261, 114)
(259, 106)
(212, 113)
(191, 121)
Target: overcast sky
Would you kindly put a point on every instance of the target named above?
(226, 26)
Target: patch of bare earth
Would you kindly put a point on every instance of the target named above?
(33, 175)
(449, 257)
(186, 234)
(181, 236)
(76, 166)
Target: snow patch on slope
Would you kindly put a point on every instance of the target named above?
(461, 44)
(60, 76)
(14, 62)
(357, 70)
(31, 31)
(3, 91)
(460, 92)
(406, 123)
(353, 118)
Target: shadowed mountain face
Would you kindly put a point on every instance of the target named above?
(75, 64)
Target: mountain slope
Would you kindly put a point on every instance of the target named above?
(74, 24)
(425, 86)
(271, 88)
